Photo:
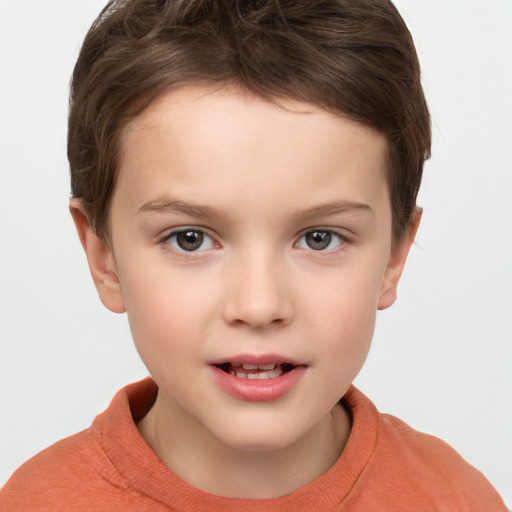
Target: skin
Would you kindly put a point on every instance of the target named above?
(254, 177)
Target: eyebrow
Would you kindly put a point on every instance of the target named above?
(168, 205)
(329, 209)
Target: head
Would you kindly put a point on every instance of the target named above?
(354, 58)
(244, 178)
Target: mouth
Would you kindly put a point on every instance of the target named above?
(257, 378)
(256, 371)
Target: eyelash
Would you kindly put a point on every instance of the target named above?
(167, 243)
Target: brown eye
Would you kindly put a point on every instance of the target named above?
(190, 240)
(318, 240)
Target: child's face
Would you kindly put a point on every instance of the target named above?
(243, 232)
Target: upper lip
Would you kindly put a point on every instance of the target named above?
(257, 359)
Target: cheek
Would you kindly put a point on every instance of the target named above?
(167, 311)
(345, 312)
(348, 339)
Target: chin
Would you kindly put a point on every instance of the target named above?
(259, 438)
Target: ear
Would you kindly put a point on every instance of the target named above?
(100, 258)
(396, 264)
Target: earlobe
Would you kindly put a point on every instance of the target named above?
(388, 291)
(100, 258)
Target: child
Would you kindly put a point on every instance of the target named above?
(244, 178)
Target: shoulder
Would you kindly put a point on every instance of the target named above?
(426, 454)
(52, 474)
(71, 470)
(407, 466)
(78, 469)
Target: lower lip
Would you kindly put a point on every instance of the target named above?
(258, 390)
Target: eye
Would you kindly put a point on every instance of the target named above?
(320, 240)
(190, 240)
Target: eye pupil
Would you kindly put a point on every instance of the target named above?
(190, 240)
(318, 240)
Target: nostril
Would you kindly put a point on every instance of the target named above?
(258, 303)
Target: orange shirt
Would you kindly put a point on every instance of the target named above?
(385, 466)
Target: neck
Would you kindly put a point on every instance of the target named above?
(204, 462)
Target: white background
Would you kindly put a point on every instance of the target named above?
(442, 356)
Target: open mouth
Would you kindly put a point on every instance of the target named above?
(256, 371)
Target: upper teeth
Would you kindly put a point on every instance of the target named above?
(258, 366)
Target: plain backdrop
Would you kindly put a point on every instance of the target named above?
(442, 356)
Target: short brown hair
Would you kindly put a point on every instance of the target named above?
(350, 57)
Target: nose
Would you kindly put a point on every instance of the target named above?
(258, 292)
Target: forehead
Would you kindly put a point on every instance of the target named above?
(247, 112)
(223, 140)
